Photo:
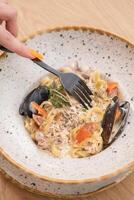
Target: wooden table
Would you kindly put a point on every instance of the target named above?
(113, 15)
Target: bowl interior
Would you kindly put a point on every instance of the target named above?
(18, 76)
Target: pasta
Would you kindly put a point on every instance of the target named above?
(65, 128)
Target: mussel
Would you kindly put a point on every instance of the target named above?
(113, 127)
(37, 95)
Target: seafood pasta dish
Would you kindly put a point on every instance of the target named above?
(62, 126)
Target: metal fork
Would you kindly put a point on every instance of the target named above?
(72, 83)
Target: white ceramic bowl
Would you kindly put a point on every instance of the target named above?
(20, 158)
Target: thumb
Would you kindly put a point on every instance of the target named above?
(13, 44)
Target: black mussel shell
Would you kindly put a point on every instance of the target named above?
(111, 130)
(124, 106)
(37, 95)
(108, 120)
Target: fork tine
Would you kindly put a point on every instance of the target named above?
(85, 86)
(85, 92)
(75, 94)
(82, 95)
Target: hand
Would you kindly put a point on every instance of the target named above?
(8, 30)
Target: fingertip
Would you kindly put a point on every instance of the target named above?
(25, 52)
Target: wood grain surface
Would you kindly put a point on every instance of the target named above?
(113, 15)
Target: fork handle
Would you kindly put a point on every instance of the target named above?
(38, 62)
(47, 67)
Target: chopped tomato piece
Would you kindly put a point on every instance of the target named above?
(111, 87)
(86, 131)
(36, 54)
(39, 109)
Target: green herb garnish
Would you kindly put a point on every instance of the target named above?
(61, 89)
(57, 95)
(58, 99)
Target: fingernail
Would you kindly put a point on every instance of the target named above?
(35, 54)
